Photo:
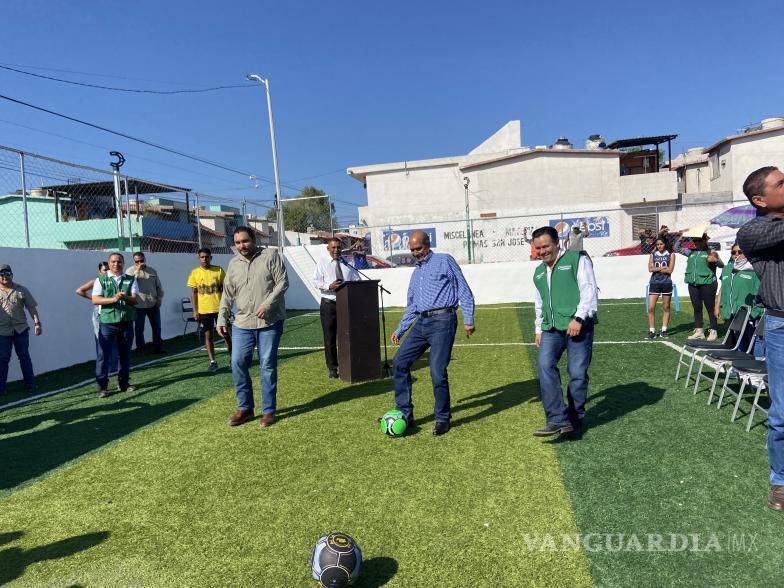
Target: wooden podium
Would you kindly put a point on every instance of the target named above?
(359, 352)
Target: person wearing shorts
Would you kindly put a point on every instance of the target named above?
(206, 284)
(661, 264)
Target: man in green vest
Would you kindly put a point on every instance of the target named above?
(566, 302)
(115, 292)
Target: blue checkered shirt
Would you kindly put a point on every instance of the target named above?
(437, 282)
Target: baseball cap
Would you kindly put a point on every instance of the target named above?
(4, 267)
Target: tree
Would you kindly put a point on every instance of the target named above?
(306, 211)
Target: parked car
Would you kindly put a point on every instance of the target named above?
(361, 261)
(636, 249)
(403, 260)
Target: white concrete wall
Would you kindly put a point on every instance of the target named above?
(749, 154)
(617, 277)
(53, 276)
(544, 181)
(405, 196)
(649, 188)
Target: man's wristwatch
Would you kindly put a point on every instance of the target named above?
(578, 319)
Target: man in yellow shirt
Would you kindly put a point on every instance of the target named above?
(206, 284)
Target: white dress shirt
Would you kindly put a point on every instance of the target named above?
(324, 275)
(589, 293)
(98, 288)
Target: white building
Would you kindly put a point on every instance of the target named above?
(617, 189)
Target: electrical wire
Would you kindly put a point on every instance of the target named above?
(136, 139)
(131, 90)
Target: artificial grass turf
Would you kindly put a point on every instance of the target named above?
(190, 501)
(657, 460)
(194, 502)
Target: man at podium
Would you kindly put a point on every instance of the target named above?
(331, 271)
(436, 287)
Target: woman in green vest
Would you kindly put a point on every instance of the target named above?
(701, 267)
(739, 286)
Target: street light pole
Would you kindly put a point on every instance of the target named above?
(466, 182)
(278, 203)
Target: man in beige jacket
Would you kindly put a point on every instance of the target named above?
(254, 286)
(149, 302)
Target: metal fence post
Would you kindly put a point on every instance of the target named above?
(116, 165)
(198, 221)
(128, 212)
(24, 199)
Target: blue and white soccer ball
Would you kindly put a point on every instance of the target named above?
(336, 560)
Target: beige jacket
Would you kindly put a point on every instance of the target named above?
(150, 288)
(251, 284)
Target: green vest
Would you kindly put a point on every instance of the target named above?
(738, 289)
(121, 311)
(698, 272)
(560, 299)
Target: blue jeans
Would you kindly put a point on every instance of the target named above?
(20, 342)
(154, 314)
(437, 333)
(578, 351)
(111, 336)
(96, 328)
(774, 356)
(243, 342)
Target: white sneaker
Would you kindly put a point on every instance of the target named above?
(712, 335)
(213, 367)
(697, 334)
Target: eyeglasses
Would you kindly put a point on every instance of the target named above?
(735, 252)
(6, 274)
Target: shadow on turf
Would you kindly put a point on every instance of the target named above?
(75, 432)
(377, 572)
(347, 394)
(492, 401)
(614, 403)
(15, 560)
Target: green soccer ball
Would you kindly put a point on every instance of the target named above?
(393, 423)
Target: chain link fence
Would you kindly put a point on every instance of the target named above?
(606, 232)
(53, 204)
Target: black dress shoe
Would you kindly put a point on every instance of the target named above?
(550, 430)
(441, 428)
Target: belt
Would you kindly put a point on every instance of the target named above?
(775, 312)
(436, 311)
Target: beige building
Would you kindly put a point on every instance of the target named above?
(618, 189)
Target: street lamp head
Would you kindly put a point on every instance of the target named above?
(256, 78)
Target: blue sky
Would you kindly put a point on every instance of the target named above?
(356, 83)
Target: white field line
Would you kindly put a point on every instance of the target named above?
(86, 382)
(314, 348)
(529, 305)
(509, 344)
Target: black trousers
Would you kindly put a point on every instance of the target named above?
(329, 326)
(705, 294)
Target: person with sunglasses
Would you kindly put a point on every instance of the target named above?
(739, 285)
(14, 329)
(206, 284)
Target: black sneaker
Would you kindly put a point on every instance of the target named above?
(333, 374)
(664, 334)
(441, 428)
(550, 430)
(651, 334)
